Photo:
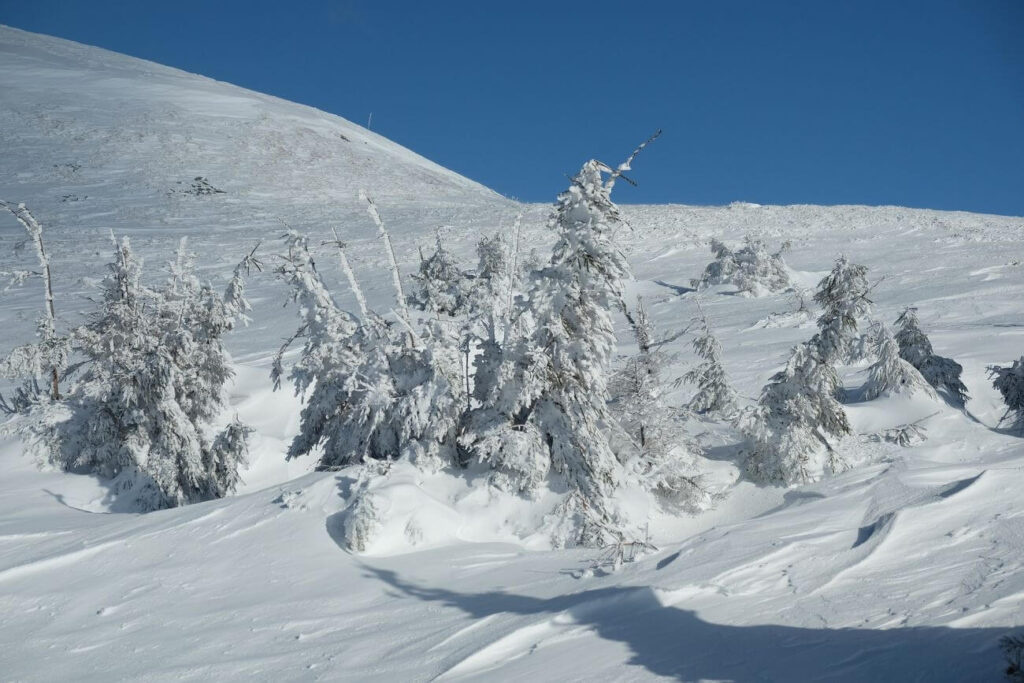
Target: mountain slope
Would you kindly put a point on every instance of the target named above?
(122, 122)
(95, 141)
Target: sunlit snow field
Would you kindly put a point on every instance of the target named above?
(907, 567)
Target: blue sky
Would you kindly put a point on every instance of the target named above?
(825, 102)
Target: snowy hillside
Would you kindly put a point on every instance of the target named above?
(910, 566)
(95, 141)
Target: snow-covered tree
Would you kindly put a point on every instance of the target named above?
(1009, 382)
(193, 319)
(498, 278)
(441, 286)
(843, 296)
(48, 357)
(752, 268)
(546, 413)
(374, 389)
(791, 428)
(714, 392)
(720, 270)
(326, 371)
(915, 348)
(891, 374)
(229, 450)
(150, 381)
(655, 448)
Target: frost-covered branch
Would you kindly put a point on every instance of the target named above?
(35, 234)
(357, 291)
(396, 276)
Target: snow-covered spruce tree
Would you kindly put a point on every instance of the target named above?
(441, 286)
(1009, 382)
(759, 270)
(789, 430)
(843, 296)
(498, 278)
(720, 270)
(128, 415)
(331, 354)
(469, 310)
(656, 449)
(752, 268)
(193, 320)
(547, 414)
(373, 388)
(494, 319)
(425, 412)
(714, 392)
(915, 348)
(891, 374)
(229, 453)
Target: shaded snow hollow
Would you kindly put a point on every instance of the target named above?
(908, 567)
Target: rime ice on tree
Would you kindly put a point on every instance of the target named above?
(48, 356)
(655, 448)
(375, 388)
(843, 294)
(441, 285)
(915, 348)
(714, 393)
(752, 268)
(151, 381)
(548, 414)
(790, 429)
(891, 374)
(1009, 382)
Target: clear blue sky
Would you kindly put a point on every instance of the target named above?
(917, 103)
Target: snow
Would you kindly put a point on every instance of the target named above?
(910, 566)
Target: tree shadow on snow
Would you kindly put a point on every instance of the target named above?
(680, 290)
(672, 642)
(117, 496)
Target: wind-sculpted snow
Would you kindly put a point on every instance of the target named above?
(908, 566)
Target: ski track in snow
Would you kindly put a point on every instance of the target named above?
(908, 567)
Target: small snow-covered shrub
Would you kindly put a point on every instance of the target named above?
(363, 522)
(915, 348)
(752, 268)
(891, 374)
(198, 187)
(903, 435)
(1009, 382)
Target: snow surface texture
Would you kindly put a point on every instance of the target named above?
(907, 567)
